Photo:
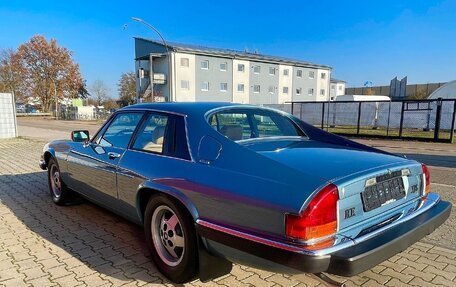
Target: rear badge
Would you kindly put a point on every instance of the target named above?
(349, 213)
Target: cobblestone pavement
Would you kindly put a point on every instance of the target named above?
(42, 244)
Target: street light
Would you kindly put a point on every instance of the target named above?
(167, 50)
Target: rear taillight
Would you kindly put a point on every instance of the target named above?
(426, 179)
(319, 219)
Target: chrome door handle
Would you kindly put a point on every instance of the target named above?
(113, 155)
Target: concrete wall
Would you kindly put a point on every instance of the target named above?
(336, 89)
(323, 85)
(411, 90)
(184, 74)
(214, 76)
(243, 78)
(265, 81)
(8, 124)
(285, 81)
(304, 83)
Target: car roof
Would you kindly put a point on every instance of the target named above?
(185, 108)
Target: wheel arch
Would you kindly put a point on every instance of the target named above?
(47, 156)
(149, 189)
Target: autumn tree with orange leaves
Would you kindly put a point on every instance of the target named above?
(10, 73)
(48, 71)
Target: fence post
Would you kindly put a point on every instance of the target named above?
(322, 115)
(388, 123)
(438, 116)
(359, 118)
(402, 120)
(452, 123)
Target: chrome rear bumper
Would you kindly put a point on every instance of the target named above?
(347, 258)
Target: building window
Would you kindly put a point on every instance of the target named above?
(240, 88)
(285, 90)
(185, 85)
(298, 91)
(285, 72)
(184, 62)
(323, 76)
(223, 66)
(272, 71)
(322, 92)
(299, 73)
(205, 65)
(205, 86)
(256, 69)
(333, 87)
(310, 92)
(223, 87)
(271, 89)
(241, 67)
(311, 74)
(340, 88)
(256, 88)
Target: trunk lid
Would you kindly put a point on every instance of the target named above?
(327, 161)
(396, 181)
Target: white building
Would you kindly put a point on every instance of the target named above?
(337, 88)
(182, 72)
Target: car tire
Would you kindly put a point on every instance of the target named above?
(60, 193)
(171, 237)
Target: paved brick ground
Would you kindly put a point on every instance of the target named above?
(42, 244)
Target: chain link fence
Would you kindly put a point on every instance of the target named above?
(432, 120)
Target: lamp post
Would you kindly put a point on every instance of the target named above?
(168, 55)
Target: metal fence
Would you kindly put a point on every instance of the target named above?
(431, 120)
(89, 114)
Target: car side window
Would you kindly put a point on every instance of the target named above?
(151, 136)
(120, 130)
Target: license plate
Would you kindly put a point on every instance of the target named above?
(382, 193)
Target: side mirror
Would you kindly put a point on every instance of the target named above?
(80, 136)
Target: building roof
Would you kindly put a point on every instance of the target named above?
(333, 80)
(253, 56)
(447, 91)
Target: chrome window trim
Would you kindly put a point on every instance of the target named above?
(171, 113)
(425, 204)
(108, 123)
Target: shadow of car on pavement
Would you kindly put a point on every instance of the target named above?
(103, 241)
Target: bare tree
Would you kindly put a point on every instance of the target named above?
(127, 88)
(100, 92)
(49, 71)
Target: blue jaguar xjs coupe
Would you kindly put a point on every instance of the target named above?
(215, 183)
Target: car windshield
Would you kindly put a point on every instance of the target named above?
(246, 124)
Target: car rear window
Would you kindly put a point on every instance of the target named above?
(243, 124)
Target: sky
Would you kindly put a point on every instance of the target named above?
(361, 40)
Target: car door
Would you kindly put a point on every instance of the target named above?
(92, 167)
(158, 150)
